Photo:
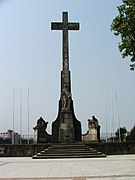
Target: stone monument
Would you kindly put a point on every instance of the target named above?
(93, 133)
(66, 128)
(40, 134)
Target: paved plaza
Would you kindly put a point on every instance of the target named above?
(120, 167)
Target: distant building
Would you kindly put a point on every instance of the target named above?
(11, 135)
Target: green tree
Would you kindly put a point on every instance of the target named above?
(121, 133)
(131, 136)
(124, 25)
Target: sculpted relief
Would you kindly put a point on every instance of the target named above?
(65, 97)
(93, 123)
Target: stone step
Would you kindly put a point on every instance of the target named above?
(69, 145)
(58, 156)
(68, 151)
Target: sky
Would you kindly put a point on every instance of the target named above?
(31, 57)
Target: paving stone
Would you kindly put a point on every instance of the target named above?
(120, 167)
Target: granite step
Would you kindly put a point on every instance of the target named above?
(58, 156)
(68, 151)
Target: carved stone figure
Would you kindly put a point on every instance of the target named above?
(41, 124)
(40, 134)
(93, 123)
(65, 96)
(93, 133)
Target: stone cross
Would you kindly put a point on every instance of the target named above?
(66, 128)
(65, 26)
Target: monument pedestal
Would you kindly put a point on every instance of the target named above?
(66, 128)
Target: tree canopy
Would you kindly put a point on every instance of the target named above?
(124, 25)
(131, 136)
(120, 133)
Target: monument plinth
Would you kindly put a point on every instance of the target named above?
(66, 128)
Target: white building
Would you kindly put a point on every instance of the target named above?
(12, 135)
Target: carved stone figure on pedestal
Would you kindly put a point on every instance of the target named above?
(65, 96)
(40, 134)
(93, 133)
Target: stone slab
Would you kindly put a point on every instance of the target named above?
(121, 167)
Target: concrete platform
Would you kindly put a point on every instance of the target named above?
(121, 167)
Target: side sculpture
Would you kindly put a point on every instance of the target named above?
(40, 134)
(93, 133)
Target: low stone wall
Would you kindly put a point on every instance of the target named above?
(26, 150)
(8, 150)
(116, 148)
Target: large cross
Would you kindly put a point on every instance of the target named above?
(66, 128)
(65, 26)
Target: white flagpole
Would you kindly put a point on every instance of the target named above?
(28, 115)
(118, 115)
(113, 114)
(13, 139)
(20, 115)
(106, 114)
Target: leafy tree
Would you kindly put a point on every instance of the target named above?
(124, 25)
(131, 136)
(121, 132)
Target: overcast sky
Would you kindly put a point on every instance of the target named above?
(31, 57)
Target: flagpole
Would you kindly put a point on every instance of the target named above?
(118, 115)
(20, 115)
(13, 117)
(28, 115)
(106, 114)
(113, 114)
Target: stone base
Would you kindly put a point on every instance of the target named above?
(66, 128)
(90, 136)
